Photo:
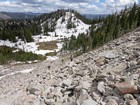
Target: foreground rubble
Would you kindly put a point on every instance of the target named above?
(109, 75)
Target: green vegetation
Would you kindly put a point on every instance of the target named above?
(51, 54)
(7, 55)
(108, 29)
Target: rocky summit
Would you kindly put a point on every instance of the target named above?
(109, 75)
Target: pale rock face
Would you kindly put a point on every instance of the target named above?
(52, 82)
(108, 91)
(3, 103)
(109, 54)
(69, 103)
(89, 102)
(111, 102)
(101, 87)
(67, 82)
(127, 87)
(116, 69)
(85, 84)
(27, 100)
(56, 103)
(34, 88)
(137, 97)
(135, 76)
(96, 96)
(101, 61)
(83, 96)
(130, 99)
(80, 73)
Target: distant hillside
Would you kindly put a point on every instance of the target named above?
(4, 16)
(18, 15)
(37, 34)
(95, 16)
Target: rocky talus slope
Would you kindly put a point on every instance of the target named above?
(109, 75)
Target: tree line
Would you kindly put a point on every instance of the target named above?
(22, 29)
(105, 30)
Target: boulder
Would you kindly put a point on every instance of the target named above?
(85, 84)
(133, 63)
(3, 103)
(69, 103)
(27, 100)
(111, 77)
(78, 61)
(55, 103)
(110, 54)
(130, 99)
(101, 77)
(117, 68)
(96, 96)
(111, 102)
(108, 91)
(85, 99)
(67, 82)
(34, 88)
(137, 97)
(52, 82)
(101, 87)
(135, 76)
(83, 96)
(89, 102)
(80, 73)
(127, 87)
(101, 61)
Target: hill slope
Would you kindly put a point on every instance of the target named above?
(17, 15)
(101, 76)
(4, 16)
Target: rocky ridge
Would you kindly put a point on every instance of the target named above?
(109, 75)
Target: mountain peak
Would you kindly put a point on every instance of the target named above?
(63, 23)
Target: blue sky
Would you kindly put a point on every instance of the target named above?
(82, 6)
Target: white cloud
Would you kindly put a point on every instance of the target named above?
(82, 6)
(8, 4)
(117, 5)
(109, 1)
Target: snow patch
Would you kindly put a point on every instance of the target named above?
(32, 46)
(13, 73)
(52, 58)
